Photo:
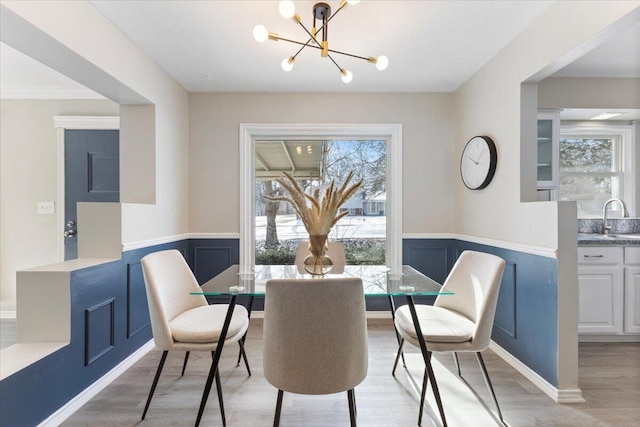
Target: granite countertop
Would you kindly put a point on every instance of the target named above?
(608, 239)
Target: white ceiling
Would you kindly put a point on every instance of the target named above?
(432, 46)
(618, 57)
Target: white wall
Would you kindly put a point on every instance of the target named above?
(490, 103)
(28, 174)
(427, 149)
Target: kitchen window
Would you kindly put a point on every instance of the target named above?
(596, 164)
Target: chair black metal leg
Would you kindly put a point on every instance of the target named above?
(487, 381)
(399, 338)
(244, 355)
(276, 419)
(457, 362)
(423, 393)
(352, 407)
(216, 357)
(184, 365)
(426, 355)
(220, 400)
(244, 337)
(395, 364)
(155, 382)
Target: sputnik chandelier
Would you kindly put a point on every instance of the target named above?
(321, 12)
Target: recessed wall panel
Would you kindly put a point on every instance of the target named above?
(99, 330)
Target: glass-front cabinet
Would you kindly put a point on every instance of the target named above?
(548, 153)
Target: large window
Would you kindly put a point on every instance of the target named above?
(392, 133)
(595, 165)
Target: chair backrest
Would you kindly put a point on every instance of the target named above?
(315, 335)
(168, 281)
(475, 279)
(335, 251)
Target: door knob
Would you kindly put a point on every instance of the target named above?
(71, 224)
(69, 233)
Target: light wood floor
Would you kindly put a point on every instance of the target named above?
(609, 378)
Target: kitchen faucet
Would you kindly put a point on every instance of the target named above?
(606, 229)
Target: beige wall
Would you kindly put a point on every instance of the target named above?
(427, 149)
(114, 66)
(28, 174)
(584, 92)
(490, 103)
(107, 61)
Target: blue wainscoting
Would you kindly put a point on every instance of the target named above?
(109, 322)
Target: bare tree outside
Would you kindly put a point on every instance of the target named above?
(367, 160)
(589, 174)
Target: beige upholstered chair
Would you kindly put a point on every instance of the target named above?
(460, 322)
(180, 321)
(335, 251)
(315, 337)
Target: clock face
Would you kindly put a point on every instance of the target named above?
(478, 162)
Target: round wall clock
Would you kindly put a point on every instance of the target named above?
(478, 162)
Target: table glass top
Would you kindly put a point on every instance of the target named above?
(377, 280)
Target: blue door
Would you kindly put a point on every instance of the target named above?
(92, 174)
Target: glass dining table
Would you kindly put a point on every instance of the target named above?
(378, 280)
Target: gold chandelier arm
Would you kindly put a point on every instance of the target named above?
(336, 64)
(366, 58)
(310, 35)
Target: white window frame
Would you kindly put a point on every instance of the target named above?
(624, 141)
(392, 133)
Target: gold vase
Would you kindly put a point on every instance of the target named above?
(318, 263)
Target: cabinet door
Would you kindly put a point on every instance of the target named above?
(600, 300)
(548, 151)
(632, 300)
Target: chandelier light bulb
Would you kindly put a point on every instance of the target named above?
(260, 33)
(346, 75)
(353, 2)
(287, 63)
(287, 9)
(382, 63)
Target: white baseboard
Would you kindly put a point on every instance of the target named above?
(90, 392)
(558, 395)
(7, 314)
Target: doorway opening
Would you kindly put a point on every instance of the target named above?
(88, 171)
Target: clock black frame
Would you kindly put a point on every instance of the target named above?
(493, 162)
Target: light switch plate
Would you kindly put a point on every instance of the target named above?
(46, 208)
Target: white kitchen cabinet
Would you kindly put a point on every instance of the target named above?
(632, 290)
(601, 297)
(600, 289)
(609, 292)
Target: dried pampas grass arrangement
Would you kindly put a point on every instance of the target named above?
(319, 212)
